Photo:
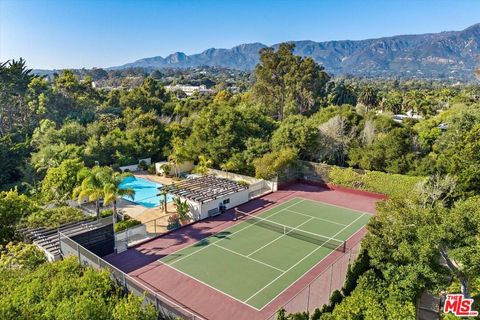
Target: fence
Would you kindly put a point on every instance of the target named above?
(308, 171)
(318, 291)
(140, 233)
(166, 307)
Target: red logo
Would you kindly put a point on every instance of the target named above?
(459, 306)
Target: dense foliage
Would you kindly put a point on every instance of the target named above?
(31, 289)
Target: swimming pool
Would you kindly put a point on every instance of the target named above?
(145, 191)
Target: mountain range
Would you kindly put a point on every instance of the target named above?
(444, 55)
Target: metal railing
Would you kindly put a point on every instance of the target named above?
(167, 308)
(140, 233)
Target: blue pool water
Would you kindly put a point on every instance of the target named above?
(145, 191)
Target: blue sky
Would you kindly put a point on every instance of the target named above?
(102, 33)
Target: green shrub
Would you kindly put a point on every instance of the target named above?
(143, 165)
(243, 183)
(106, 213)
(53, 218)
(346, 177)
(125, 224)
(173, 222)
(151, 169)
(392, 185)
(167, 168)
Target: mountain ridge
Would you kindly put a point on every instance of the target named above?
(447, 54)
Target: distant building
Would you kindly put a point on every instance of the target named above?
(409, 115)
(189, 90)
(443, 126)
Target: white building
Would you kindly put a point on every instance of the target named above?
(189, 90)
(206, 194)
(400, 117)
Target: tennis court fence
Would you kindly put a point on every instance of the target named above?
(307, 171)
(318, 291)
(167, 308)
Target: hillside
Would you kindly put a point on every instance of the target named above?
(444, 55)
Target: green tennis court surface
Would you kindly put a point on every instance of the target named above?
(257, 259)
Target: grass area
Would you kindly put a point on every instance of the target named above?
(254, 264)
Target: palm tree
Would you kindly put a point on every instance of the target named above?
(203, 164)
(179, 154)
(369, 97)
(91, 187)
(182, 209)
(164, 194)
(102, 183)
(112, 190)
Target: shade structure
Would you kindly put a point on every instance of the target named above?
(203, 189)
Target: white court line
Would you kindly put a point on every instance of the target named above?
(326, 220)
(316, 264)
(334, 205)
(302, 260)
(293, 228)
(231, 234)
(247, 257)
(206, 284)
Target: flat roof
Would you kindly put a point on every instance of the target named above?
(204, 189)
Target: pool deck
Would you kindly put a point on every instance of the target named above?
(139, 212)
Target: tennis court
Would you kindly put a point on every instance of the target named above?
(255, 260)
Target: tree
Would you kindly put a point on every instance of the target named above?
(457, 150)
(53, 217)
(183, 209)
(13, 208)
(333, 138)
(298, 133)
(203, 165)
(288, 84)
(163, 203)
(268, 166)
(91, 187)
(67, 290)
(133, 308)
(242, 162)
(372, 299)
(102, 183)
(15, 114)
(369, 97)
(59, 182)
(21, 255)
(217, 132)
(391, 152)
(178, 155)
(342, 94)
(459, 244)
(111, 188)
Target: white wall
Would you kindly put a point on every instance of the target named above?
(200, 211)
(233, 176)
(134, 167)
(181, 167)
(148, 161)
(131, 168)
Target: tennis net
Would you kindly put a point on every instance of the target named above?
(324, 241)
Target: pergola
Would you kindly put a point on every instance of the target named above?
(203, 189)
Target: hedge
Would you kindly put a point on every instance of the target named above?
(54, 217)
(392, 185)
(125, 224)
